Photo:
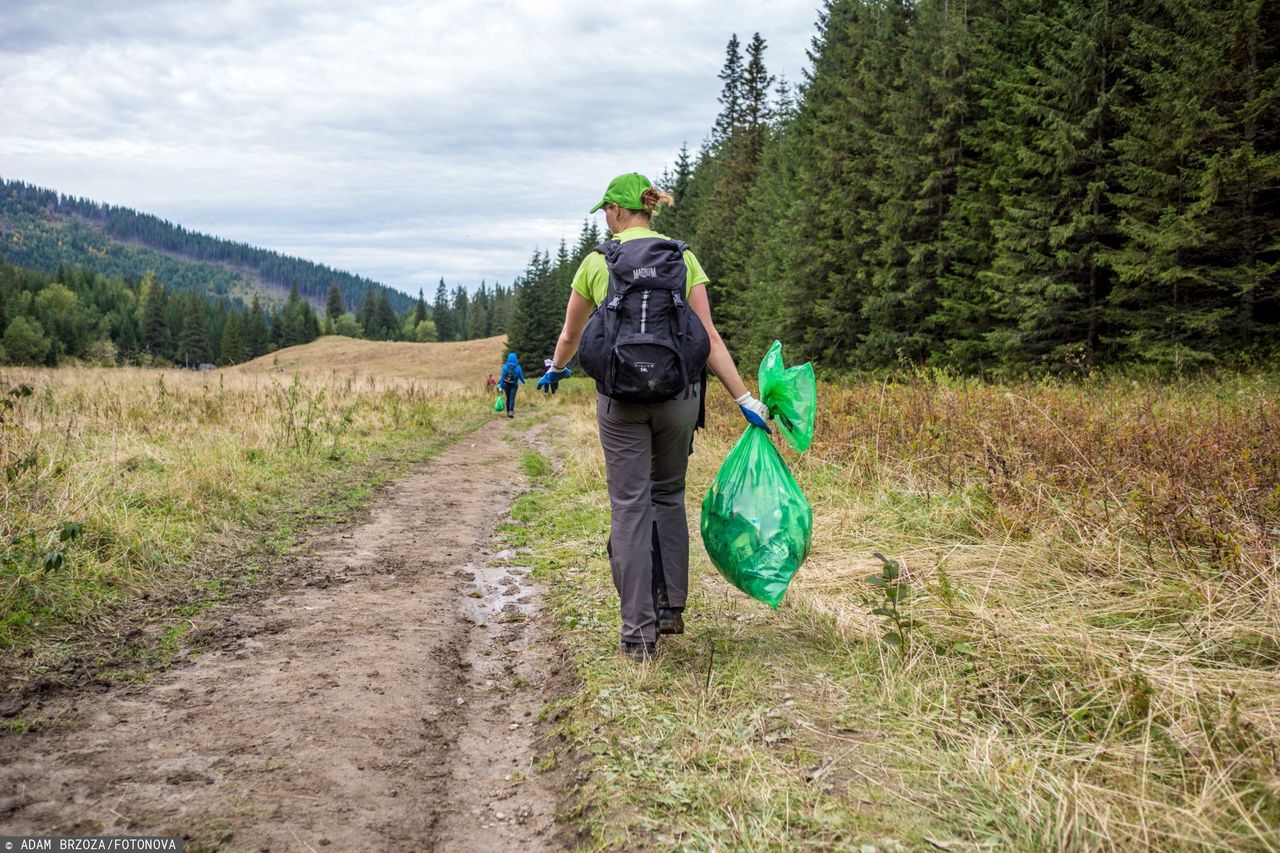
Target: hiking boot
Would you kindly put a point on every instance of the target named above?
(511, 414)
(637, 650)
(670, 620)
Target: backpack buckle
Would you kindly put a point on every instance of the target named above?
(614, 303)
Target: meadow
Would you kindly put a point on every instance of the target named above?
(1092, 647)
(124, 488)
(1088, 572)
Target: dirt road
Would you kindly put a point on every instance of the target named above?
(384, 697)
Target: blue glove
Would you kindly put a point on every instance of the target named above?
(554, 375)
(754, 411)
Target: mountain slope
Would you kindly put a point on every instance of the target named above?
(42, 229)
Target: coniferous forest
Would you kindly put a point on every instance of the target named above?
(77, 313)
(997, 187)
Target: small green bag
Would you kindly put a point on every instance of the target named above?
(792, 397)
(499, 405)
(756, 523)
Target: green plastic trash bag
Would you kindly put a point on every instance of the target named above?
(756, 523)
(499, 405)
(792, 397)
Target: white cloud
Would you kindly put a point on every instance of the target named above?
(404, 141)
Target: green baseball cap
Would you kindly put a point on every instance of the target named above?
(625, 190)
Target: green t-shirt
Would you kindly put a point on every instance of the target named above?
(591, 281)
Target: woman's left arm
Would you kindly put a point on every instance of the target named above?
(575, 318)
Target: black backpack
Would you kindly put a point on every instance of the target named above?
(508, 374)
(643, 343)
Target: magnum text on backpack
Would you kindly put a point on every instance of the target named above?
(643, 343)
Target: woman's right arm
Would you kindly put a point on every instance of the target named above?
(720, 362)
(575, 318)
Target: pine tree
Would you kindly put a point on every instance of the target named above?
(366, 316)
(256, 333)
(756, 85)
(461, 306)
(766, 227)
(479, 314)
(1049, 267)
(233, 345)
(534, 326)
(443, 315)
(834, 200)
(155, 323)
(419, 309)
(193, 340)
(728, 170)
(502, 301)
(1195, 279)
(334, 307)
(731, 94)
(675, 221)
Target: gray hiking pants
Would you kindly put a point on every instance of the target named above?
(646, 452)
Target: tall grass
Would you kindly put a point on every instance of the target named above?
(151, 466)
(1101, 608)
(1096, 583)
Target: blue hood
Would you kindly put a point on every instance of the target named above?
(511, 359)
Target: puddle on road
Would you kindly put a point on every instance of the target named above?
(502, 591)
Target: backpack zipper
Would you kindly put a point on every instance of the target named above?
(644, 310)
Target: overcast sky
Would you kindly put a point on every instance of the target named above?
(404, 141)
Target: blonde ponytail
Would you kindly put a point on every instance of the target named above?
(653, 198)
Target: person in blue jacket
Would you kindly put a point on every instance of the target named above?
(512, 377)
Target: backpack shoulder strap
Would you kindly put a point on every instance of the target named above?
(609, 248)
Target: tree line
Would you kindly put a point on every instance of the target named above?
(77, 313)
(1005, 186)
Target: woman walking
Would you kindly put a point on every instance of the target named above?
(650, 332)
(512, 376)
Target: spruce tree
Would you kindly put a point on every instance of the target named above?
(442, 314)
(420, 309)
(731, 94)
(1056, 172)
(1196, 280)
(256, 335)
(155, 323)
(461, 307)
(233, 345)
(727, 170)
(334, 307)
(193, 339)
(479, 314)
(385, 325)
(676, 221)
(834, 208)
(534, 327)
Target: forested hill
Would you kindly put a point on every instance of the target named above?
(42, 229)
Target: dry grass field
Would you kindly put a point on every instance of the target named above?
(447, 365)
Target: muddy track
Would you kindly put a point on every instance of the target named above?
(385, 698)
